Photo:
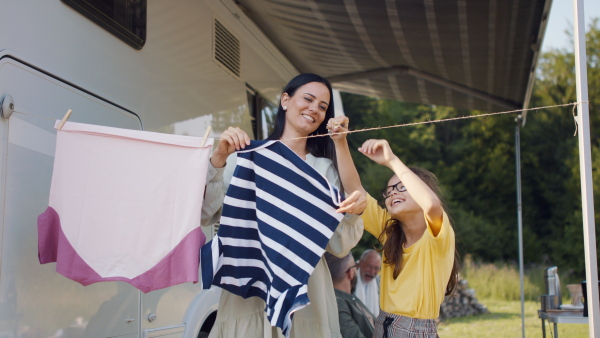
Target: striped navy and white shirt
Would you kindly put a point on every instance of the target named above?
(278, 216)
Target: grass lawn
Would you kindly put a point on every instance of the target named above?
(505, 321)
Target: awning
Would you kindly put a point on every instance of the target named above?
(468, 54)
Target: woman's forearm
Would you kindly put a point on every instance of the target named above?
(348, 173)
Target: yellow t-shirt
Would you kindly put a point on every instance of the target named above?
(419, 289)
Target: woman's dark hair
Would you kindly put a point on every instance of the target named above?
(317, 146)
(393, 235)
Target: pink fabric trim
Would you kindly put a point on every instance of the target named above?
(179, 266)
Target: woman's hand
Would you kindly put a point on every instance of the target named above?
(230, 140)
(338, 127)
(355, 203)
(378, 151)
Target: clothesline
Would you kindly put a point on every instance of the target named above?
(574, 104)
(34, 115)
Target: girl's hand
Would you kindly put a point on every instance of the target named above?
(355, 203)
(337, 125)
(378, 151)
(230, 140)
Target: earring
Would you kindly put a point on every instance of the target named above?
(284, 107)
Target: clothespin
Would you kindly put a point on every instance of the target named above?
(64, 119)
(206, 135)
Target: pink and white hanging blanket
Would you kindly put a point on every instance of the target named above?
(125, 205)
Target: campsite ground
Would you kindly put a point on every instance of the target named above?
(504, 320)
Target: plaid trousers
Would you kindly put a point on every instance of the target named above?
(389, 325)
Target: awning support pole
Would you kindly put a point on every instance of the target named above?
(585, 168)
(519, 121)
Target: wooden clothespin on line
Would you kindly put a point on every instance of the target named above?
(64, 119)
(206, 135)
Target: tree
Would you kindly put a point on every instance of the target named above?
(548, 138)
(474, 160)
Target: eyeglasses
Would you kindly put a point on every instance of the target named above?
(353, 266)
(389, 189)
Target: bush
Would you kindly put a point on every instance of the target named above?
(501, 281)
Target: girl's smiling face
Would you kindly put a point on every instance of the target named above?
(398, 199)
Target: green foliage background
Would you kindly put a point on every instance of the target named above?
(474, 160)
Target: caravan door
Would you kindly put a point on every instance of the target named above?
(34, 299)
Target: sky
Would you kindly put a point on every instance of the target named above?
(561, 18)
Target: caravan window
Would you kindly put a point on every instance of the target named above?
(267, 112)
(126, 19)
(263, 114)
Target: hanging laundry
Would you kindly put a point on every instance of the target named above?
(278, 216)
(125, 206)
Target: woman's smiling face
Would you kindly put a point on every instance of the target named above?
(306, 109)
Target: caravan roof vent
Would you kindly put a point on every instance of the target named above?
(226, 49)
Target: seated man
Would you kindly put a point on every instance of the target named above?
(367, 283)
(355, 318)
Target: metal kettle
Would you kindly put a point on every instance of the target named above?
(552, 282)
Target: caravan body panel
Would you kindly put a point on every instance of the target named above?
(52, 58)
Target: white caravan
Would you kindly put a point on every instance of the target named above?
(174, 66)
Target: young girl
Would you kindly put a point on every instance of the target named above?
(418, 243)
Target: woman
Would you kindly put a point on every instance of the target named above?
(305, 105)
(419, 255)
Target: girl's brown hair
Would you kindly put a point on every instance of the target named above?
(393, 235)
